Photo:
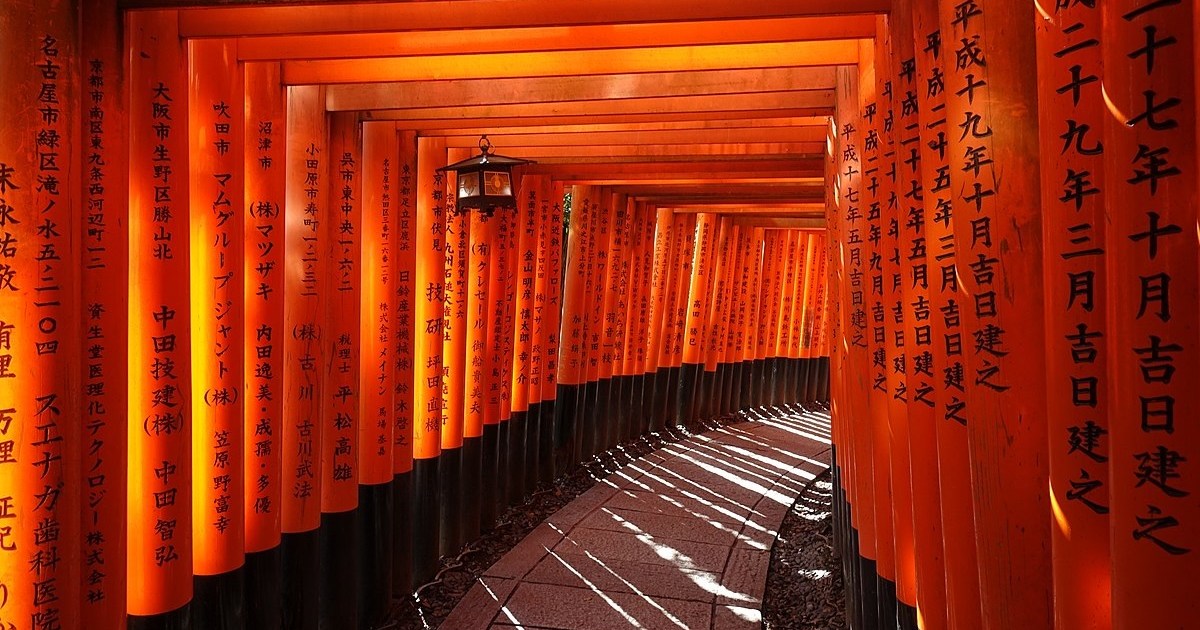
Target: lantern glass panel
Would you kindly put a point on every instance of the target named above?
(468, 185)
(497, 184)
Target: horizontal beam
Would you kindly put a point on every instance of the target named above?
(678, 151)
(227, 21)
(781, 222)
(469, 125)
(420, 94)
(576, 62)
(601, 128)
(812, 133)
(550, 38)
(771, 103)
(633, 171)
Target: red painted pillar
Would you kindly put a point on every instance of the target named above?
(992, 148)
(216, 190)
(1068, 41)
(159, 502)
(1149, 184)
(104, 281)
(40, 344)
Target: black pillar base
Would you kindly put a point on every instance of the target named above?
(375, 552)
(565, 428)
(178, 619)
(674, 399)
(887, 603)
(469, 497)
(425, 533)
(516, 458)
(338, 604)
(586, 421)
(489, 483)
(503, 472)
(264, 588)
(869, 594)
(218, 601)
(907, 616)
(533, 447)
(449, 496)
(822, 394)
(547, 417)
(301, 589)
(658, 399)
(402, 534)
(689, 374)
(604, 424)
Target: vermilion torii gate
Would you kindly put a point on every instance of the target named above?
(257, 371)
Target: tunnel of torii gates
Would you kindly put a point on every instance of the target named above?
(256, 371)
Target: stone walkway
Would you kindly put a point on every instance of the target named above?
(680, 539)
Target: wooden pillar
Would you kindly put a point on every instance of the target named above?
(1149, 142)
(428, 303)
(894, 342)
(711, 321)
(875, 187)
(945, 323)
(40, 344)
(528, 201)
(103, 283)
(992, 148)
(403, 410)
(477, 437)
(454, 354)
(699, 291)
(570, 360)
(159, 508)
(550, 254)
(1071, 102)
(500, 340)
(377, 368)
(913, 303)
(216, 192)
(265, 165)
(852, 207)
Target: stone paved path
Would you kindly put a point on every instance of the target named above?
(680, 539)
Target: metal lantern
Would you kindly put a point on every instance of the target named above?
(485, 181)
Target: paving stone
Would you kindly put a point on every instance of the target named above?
(736, 618)
(521, 558)
(652, 502)
(683, 554)
(581, 506)
(566, 608)
(584, 570)
(687, 527)
(681, 539)
(745, 577)
(479, 606)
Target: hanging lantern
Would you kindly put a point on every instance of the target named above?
(485, 181)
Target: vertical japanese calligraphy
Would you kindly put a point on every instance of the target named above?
(952, 408)
(103, 280)
(265, 166)
(160, 393)
(914, 307)
(993, 153)
(1071, 113)
(1149, 184)
(215, 214)
(378, 277)
(40, 317)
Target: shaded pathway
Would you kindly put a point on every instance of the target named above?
(679, 539)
